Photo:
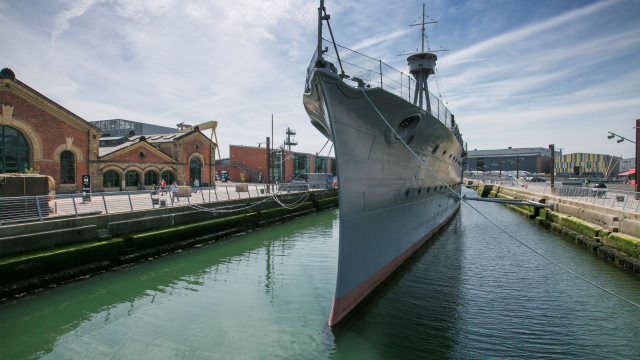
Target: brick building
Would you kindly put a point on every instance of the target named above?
(37, 133)
(252, 161)
(181, 157)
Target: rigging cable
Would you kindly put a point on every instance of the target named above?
(489, 220)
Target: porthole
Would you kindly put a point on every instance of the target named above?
(428, 188)
(142, 154)
(450, 156)
(435, 148)
(419, 190)
(406, 194)
(444, 152)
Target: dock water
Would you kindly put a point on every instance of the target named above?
(470, 293)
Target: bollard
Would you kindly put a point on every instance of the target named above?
(74, 205)
(105, 204)
(130, 203)
(151, 196)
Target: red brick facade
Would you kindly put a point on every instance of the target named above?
(253, 160)
(50, 129)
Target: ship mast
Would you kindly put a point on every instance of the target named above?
(421, 65)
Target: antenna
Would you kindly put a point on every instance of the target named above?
(423, 23)
(424, 33)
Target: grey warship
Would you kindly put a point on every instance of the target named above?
(390, 204)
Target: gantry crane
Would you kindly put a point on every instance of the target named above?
(204, 126)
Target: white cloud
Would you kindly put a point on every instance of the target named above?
(566, 77)
(527, 31)
(76, 9)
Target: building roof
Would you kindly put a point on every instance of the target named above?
(7, 75)
(111, 137)
(151, 139)
(106, 150)
(535, 151)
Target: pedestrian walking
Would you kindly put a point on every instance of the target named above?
(196, 185)
(162, 186)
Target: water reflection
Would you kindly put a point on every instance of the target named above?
(470, 293)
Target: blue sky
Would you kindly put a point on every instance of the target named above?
(518, 73)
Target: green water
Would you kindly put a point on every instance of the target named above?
(471, 293)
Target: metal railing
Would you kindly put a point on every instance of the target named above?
(616, 199)
(376, 73)
(49, 207)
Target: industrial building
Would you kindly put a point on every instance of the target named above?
(627, 164)
(286, 164)
(585, 164)
(532, 160)
(39, 135)
(121, 127)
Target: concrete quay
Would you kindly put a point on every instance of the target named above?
(40, 254)
(612, 233)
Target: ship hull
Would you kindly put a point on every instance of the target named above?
(390, 204)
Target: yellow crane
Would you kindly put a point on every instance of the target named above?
(205, 126)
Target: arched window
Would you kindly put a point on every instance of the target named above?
(195, 169)
(111, 179)
(67, 168)
(131, 178)
(14, 151)
(150, 178)
(168, 177)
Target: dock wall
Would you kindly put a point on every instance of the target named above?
(65, 254)
(613, 234)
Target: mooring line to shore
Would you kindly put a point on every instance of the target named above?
(496, 225)
(273, 196)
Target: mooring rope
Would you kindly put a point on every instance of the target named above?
(496, 225)
(273, 196)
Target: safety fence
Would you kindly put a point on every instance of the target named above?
(49, 207)
(616, 199)
(358, 69)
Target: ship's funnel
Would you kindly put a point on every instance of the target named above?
(421, 65)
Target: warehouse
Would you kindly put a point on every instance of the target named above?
(532, 160)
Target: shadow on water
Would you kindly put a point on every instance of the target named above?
(404, 298)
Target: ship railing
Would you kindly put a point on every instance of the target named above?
(375, 73)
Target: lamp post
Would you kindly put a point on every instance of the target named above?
(621, 139)
(553, 162)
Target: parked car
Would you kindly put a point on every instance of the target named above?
(538, 179)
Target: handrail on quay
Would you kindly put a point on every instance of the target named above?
(615, 199)
(49, 207)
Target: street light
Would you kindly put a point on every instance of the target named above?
(622, 138)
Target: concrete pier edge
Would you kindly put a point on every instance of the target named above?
(612, 234)
(34, 270)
